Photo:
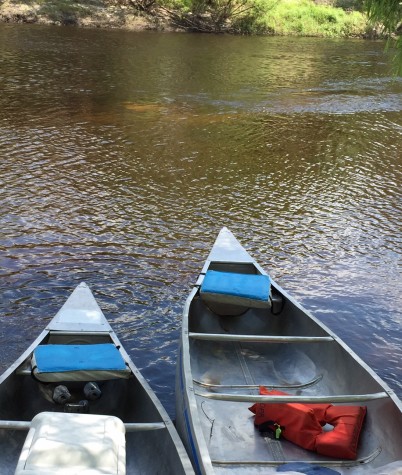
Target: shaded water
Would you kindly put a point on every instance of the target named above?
(123, 154)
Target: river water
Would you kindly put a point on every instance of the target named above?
(122, 155)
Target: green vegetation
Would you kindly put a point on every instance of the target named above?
(279, 17)
(303, 18)
(321, 18)
(388, 13)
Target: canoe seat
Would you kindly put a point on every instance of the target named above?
(71, 444)
(55, 363)
(248, 290)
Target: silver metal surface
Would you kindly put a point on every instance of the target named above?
(81, 312)
(227, 249)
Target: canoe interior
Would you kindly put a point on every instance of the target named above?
(22, 397)
(299, 368)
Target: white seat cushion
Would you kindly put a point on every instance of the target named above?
(73, 444)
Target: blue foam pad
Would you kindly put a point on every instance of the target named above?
(242, 286)
(63, 358)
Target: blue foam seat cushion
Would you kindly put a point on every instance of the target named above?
(229, 286)
(100, 361)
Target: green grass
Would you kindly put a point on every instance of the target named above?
(305, 18)
(301, 18)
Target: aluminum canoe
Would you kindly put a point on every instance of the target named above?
(228, 350)
(152, 443)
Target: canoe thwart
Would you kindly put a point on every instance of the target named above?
(259, 338)
(129, 426)
(143, 426)
(15, 425)
(285, 399)
(313, 381)
(325, 462)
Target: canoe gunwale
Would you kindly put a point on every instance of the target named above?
(193, 435)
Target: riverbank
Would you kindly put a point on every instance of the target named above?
(94, 14)
(285, 17)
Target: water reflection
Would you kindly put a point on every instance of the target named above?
(123, 154)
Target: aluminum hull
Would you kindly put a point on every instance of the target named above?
(152, 443)
(225, 354)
